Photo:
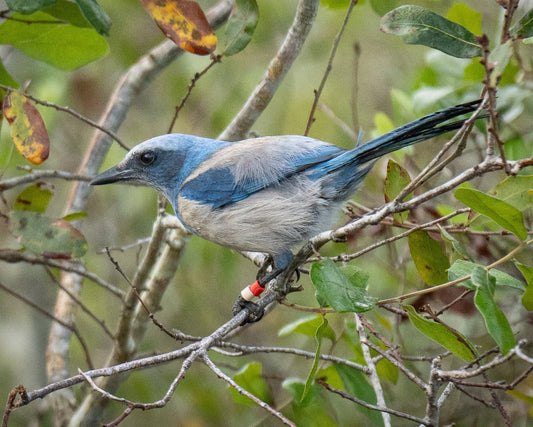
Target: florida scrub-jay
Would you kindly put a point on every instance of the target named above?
(263, 194)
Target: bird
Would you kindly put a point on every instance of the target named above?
(264, 194)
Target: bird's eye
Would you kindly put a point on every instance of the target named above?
(147, 158)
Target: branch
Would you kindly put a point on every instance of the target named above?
(14, 256)
(462, 374)
(275, 73)
(37, 175)
(425, 226)
(488, 165)
(374, 378)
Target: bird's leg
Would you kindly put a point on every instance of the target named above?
(279, 264)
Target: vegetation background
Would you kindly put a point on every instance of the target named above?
(377, 82)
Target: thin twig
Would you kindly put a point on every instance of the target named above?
(367, 405)
(503, 259)
(262, 404)
(349, 257)
(507, 20)
(82, 306)
(14, 256)
(215, 59)
(329, 67)
(69, 326)
(374, 378)
(277, 69)
(137, 295)
(490, 83)
(10, 404)
(37, 175)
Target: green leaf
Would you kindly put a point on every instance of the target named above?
(97, 16)
(454, 245)
(34, 198)
(417, 25)
(500, 57)
(469, 18)
(338, 289)
(515, 149)
(65, 10)
(330, 375)
(527, 296)
(6, 79)
(310, 411)
(307, 326)
(241, 26)
(495, 320)
(356, 384)
(251, 379)
(501, 212)
(61, 45)
(296, 387)
(430, 260)
(456, 219)
(461, 268)
(522, 396)
(381, 7)
(449, 338)
(474, 71)
(74, 216)
(335, 4)
(524, 27)
(27, 7)
(515, 191)
(43, 235)
(320, 332)
(397, 179)
(383, 123)
(386, 369)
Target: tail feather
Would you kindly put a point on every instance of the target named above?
(408, 134)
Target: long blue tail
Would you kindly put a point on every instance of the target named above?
(408, 134)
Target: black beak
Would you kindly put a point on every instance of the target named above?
(115, 174)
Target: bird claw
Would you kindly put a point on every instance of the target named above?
(255, 312)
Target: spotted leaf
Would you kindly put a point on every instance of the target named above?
(46, 236)
(27, 128)
(34, 198)
(184, 22)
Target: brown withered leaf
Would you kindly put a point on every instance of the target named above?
(184, 22)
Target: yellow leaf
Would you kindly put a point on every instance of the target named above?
(184, 22)
(27, 128)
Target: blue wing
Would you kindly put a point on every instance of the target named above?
(246, 167)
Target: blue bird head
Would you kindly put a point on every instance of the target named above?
(161, 162)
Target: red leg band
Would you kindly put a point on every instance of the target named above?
(254, 290)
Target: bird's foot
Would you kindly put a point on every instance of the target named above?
(255, 312)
